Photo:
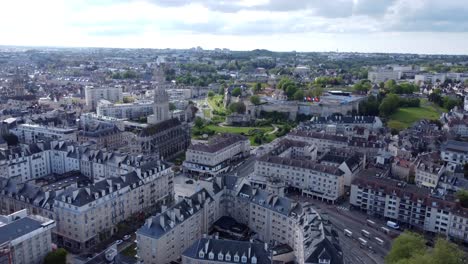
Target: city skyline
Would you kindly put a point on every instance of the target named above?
(423, 26)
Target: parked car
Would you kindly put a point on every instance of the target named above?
(118, 242)
(126, 237)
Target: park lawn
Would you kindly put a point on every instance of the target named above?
(207, 113)
(404, 117)
(216, 103)
(237, 130)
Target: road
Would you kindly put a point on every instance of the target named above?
(342, 218)
(244, 168)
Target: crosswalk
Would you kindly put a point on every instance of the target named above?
(342, 208)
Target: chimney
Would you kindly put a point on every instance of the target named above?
(207, 244)
(161, 221)
(266, 247)
(250, 250)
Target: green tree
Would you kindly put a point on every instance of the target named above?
(363, 86)
(128, 99)
(389, 105)
(236, 92)
(199, 123)
(389, 84)
(446, 253)
(298, 95)
(291, 89)
(255, 99)
(172, 106)
(58, 256)
(257, 88)
(211, 94)
(405, 247)
(237, 107)
(462, 195)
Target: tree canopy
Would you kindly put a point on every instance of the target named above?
(362, 86)
(237, 107)
(255, 99)
(236, 92)
(58, 256)
(410, 248)
(389, 105)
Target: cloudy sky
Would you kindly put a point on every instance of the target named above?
(410, 26)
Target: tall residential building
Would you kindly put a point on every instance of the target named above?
(275, 219)
(87, 215)
(295, 163)
(25, 239)
(410, 206)
(215, 156)
(94, 94)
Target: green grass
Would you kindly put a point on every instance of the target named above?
(207, 113)
(406, 116)
(216, 102)
(130, 251)
(237, 130)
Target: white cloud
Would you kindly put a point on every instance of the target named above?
(428, 26)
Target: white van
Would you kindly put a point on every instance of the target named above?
(393, 225)
(348, 233)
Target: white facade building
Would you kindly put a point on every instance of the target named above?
(94, 94)
(30, 133)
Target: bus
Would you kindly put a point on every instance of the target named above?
(348, 233)
(362, 241)
(365, 233)
(393, 225)
(370, 222)
(385, 230)
(379, 241)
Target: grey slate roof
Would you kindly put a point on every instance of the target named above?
(231, 247)
(218, 142)
(18, 228)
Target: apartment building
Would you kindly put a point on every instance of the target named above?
(454, 153)
(165, 236)
(383, 75)
(134, 110)
(89, 214)
(25, 238)
(301, 171)
(323, 141)
(429, 169)
(349, 162)
(103, 136)
(215, 156)
(94, 94)
(30, 161)
(178, 230)
(431, 78)
(342, 123)
(212, 250)
(32, 133)
(410, 206)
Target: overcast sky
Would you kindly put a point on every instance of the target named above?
(409, 26)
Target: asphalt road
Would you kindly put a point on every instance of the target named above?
(342, 218)
(244, 168)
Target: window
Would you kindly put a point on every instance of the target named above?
(201, 254)
(236, 258)
(244, 259)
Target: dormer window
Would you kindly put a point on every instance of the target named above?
(236, 258)
(244, 259)
(201, 254)
(253, 260)
(211, 255)
(220, 256)
(323, 261)
(228, 257)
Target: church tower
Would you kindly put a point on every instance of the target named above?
(160, 106)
